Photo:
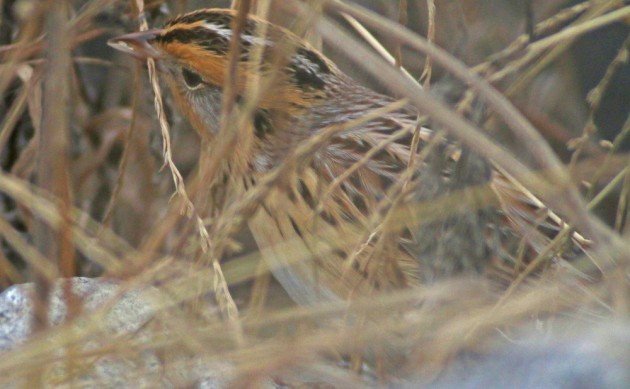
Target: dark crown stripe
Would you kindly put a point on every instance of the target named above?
(201, 36)
(222, 20)
(219, 18)
(307, 67)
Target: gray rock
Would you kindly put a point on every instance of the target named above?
(595, 357)
(16, 309)
(126, 319)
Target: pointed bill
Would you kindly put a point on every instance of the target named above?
(137, 44)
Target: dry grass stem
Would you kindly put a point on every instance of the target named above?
(80, 194)
(221, 290)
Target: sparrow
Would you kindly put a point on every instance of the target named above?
(382, 203)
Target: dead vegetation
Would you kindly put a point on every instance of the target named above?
(83, 193)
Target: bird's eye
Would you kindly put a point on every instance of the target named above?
(192, 79)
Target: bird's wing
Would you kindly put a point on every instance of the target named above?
(323, 255)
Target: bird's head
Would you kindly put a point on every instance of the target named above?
(192, 51)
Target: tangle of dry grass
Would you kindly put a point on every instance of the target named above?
(83, 202)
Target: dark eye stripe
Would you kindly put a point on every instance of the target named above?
(192, 79)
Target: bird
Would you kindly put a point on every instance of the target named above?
(382, 204)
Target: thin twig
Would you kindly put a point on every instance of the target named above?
(426, 72)
(129, 134)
